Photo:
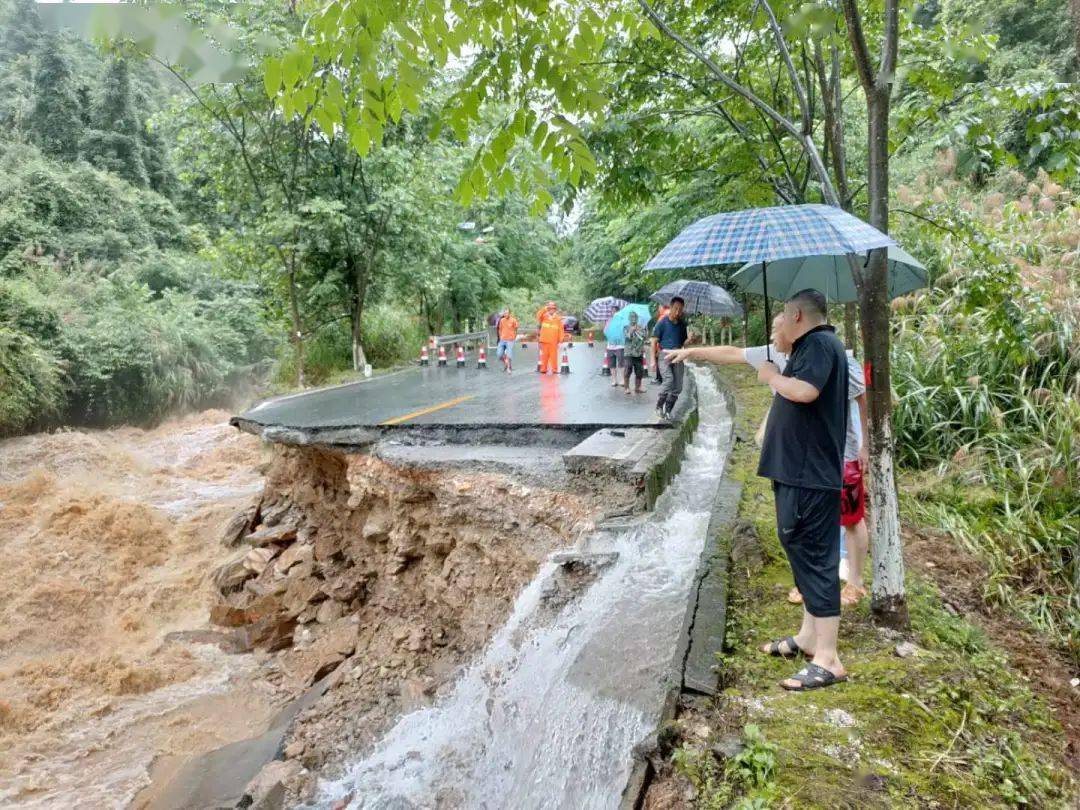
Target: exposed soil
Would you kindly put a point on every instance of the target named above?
(959, 577)
(389, 577)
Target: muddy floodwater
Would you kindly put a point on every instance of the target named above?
(549, 713)
(103, 540)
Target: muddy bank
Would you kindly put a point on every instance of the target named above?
(387, 578)
(106, 538)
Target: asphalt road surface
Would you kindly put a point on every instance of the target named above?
(454, 396)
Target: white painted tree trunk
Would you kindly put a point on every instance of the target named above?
(884, 523)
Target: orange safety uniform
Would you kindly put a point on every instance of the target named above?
(508, 328)
(551, 331)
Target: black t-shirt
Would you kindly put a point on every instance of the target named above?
(804, 442)
(670, 334)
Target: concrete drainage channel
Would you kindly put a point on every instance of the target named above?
(544, 708)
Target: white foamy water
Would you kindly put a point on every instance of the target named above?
(548, 715)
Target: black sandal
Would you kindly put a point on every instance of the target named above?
(794, 650)
(813, 676)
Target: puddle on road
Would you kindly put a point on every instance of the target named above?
(548, 715)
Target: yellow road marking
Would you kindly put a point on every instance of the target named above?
(450, 403)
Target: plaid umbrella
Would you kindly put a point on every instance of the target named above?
(768, 234)
(603, 308)
(701, 298)
(763, 235)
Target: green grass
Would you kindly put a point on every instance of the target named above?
(950, 727)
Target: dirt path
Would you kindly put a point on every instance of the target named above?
(106, 539)
(959, 577)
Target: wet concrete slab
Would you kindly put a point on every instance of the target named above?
(468, 398)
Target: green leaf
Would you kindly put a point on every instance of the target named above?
(272, 77)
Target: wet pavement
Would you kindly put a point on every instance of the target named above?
(454, 397)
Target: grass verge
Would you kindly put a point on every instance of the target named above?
(950, 725)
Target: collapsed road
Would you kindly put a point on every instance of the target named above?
(482, 604)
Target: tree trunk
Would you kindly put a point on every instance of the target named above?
(851, 335)
(1076, 35)
(888, 602)
(297, 325)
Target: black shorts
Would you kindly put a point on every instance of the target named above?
(807, 521)
(635, 366)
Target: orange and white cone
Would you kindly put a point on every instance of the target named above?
(564, 365)
(423, 356)
(460, 357)
(442, 355)
(606, 369)
(590, 340)
(481, 358)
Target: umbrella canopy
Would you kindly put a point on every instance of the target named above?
(767, 235)
(830, 275)
(613, 330)
(603, 308)
(701, 298)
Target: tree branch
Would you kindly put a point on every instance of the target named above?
(858, 45)
(781, 44)
(716, 70)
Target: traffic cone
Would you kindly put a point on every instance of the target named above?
(606, 370)
(460, 357)
(423, 356)
(442, 355)
(570, 343)
(590, 340)
(524, 345)
(481, 359)
(538, 368)
(564, 366)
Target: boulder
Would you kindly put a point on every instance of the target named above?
(239, 525)
(329, 611)
(257, 559)
(270, 634)
(282, 533)
(296, 553)
(231, 576)
(346, 587)
(377, 525)
(273, 515)
(273, 775)
(300, 593)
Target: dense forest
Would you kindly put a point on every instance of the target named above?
(161, 241)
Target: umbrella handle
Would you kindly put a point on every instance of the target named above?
(768, 319)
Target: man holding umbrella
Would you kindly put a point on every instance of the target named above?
(803, 455)
(668, 334)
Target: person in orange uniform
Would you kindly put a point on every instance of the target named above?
(551, 332)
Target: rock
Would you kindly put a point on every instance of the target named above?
(377, 526)
(329, 611)
(1075, 683)
(905, 649)
(729, 747)
(230, 615)
(271, 634)
(295, 749)
(273, 515)
(343, 803)
(324, 655)
(300, 593)
(296, 553)
(231, 576)
(839, 718)
(326, 546)
(273, 774)
(346, 587)
(418, 690)
(239, 525)
(257, 559)
(282, 534)
(952, 611)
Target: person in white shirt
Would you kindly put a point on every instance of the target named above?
(856, 455)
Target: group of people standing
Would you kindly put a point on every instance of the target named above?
(627, 358)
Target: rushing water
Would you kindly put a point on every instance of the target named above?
(548, 715)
